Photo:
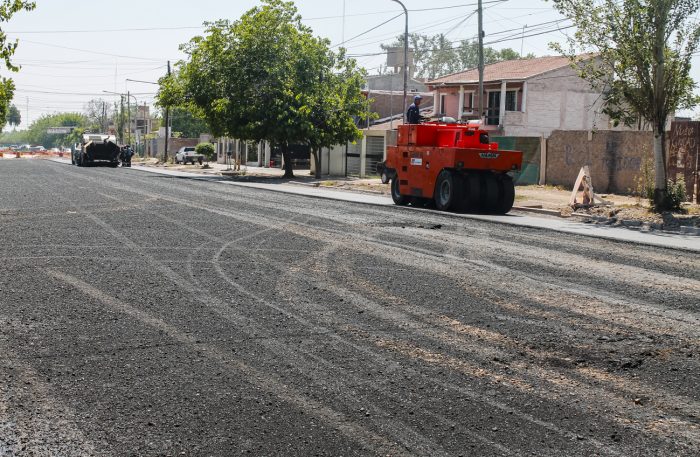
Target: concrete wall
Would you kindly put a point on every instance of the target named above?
(615, 158)
(174, 144)
(387, 104)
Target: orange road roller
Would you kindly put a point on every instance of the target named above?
(455, 165)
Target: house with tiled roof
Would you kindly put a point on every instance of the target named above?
(527, 97)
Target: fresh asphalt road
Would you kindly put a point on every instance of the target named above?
(151, 315)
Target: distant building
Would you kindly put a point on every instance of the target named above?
(528, 97)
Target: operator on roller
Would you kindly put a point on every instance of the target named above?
(413, 114)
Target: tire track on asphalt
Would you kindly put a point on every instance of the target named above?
(362, 303)
(333, 418)
(400, 431)
(419, 442)
(265, 380)
(32, 420)
(307, 323)
(559, 384)
(487, 266)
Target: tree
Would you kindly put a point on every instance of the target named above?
(642, 57)
(332, 101)
(263, 77)
(14, 118)
(435, 56)
(100, 113)
(37, 133)
(7, 87)
(187, 123)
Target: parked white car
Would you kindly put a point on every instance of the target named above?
(188, 154)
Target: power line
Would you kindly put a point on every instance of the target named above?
(92, 52)
(142, 29)
(367, 31)
(535, 27)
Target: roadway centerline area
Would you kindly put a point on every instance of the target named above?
(145, 314)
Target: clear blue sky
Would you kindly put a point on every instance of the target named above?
(73, 50)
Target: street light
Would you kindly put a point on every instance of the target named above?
(128, 109)
(405, 52)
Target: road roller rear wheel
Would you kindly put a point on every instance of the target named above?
(506, 194)
(489, 193)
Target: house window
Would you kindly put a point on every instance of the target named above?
(511, 100)
(469, 102)
(442, 104)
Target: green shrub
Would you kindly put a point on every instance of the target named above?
(676, 194)
(206, 149)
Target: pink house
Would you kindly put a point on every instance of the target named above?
(529, 97)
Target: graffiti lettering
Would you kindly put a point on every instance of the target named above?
(622, 163)
(569, 157)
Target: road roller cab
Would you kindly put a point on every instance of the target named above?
(455, 165)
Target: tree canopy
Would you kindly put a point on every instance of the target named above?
(185, 123)
(435, 55)
(100, 114)
(7, 49)
(37, 133)
(267, 77)
(641, 58)
(14, 117)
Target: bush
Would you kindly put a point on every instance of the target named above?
(206, 149)
(675, 191)
(676, 194)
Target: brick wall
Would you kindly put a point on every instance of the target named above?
(615, 158)
(174, 144)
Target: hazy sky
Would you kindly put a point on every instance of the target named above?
(73, 50)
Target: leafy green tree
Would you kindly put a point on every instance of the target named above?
(643, 51)
(37, 133)
(185, 122)
(435, 55)
(332, 100)
(7, 49)
(14, 118)
(264, 77)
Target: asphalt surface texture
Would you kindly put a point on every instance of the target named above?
(146, 315)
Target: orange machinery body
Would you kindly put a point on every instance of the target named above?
(424, 150)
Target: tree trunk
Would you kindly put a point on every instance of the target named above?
(661, 11)
(660, 194)
(316, 153)
(287, 158)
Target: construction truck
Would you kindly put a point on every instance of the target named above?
(454, 165)
(96, 149)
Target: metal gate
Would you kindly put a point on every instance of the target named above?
(684, 156)
(375, 154)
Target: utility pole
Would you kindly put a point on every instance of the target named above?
(120, 125)
(481, 62)
(128, 115)
(405, 51)
(342, 34)
(167, 127)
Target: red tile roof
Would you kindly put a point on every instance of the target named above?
(507, 70)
